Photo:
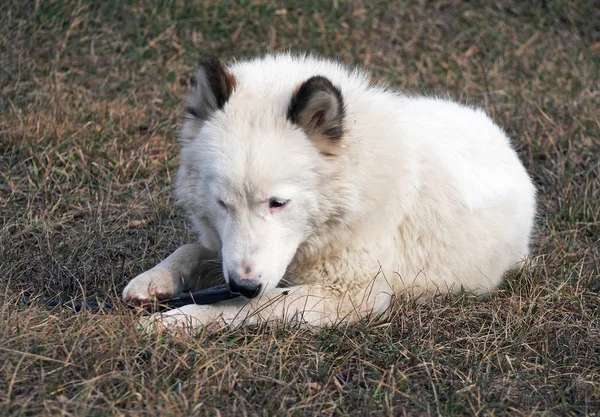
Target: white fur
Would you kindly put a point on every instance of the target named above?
(423, 195)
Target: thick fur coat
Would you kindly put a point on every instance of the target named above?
(324, 195)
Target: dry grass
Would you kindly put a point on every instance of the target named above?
(88, 115)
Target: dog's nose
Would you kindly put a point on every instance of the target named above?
(248, 287)
(246, 271)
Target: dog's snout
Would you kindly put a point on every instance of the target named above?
(243, 284)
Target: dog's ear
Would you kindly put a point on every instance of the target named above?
(317, 107)
(213, 84)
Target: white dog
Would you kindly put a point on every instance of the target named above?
(324, 195)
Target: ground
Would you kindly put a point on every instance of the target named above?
(89, 111)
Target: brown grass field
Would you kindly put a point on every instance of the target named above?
(89, 112)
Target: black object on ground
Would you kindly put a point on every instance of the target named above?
(210, 295)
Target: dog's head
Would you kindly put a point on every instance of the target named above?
(258, 169)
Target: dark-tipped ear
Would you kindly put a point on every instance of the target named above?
(318, 108)
(213, 85)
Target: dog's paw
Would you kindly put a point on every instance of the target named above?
(155, 284)
(190, 319)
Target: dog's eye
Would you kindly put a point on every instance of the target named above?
(275, 203)
(222, 204)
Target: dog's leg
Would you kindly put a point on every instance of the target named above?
(314, 305)
(177, 273)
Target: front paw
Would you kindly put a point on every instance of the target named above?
(190, 319)
(194, 318)
(153, 285)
